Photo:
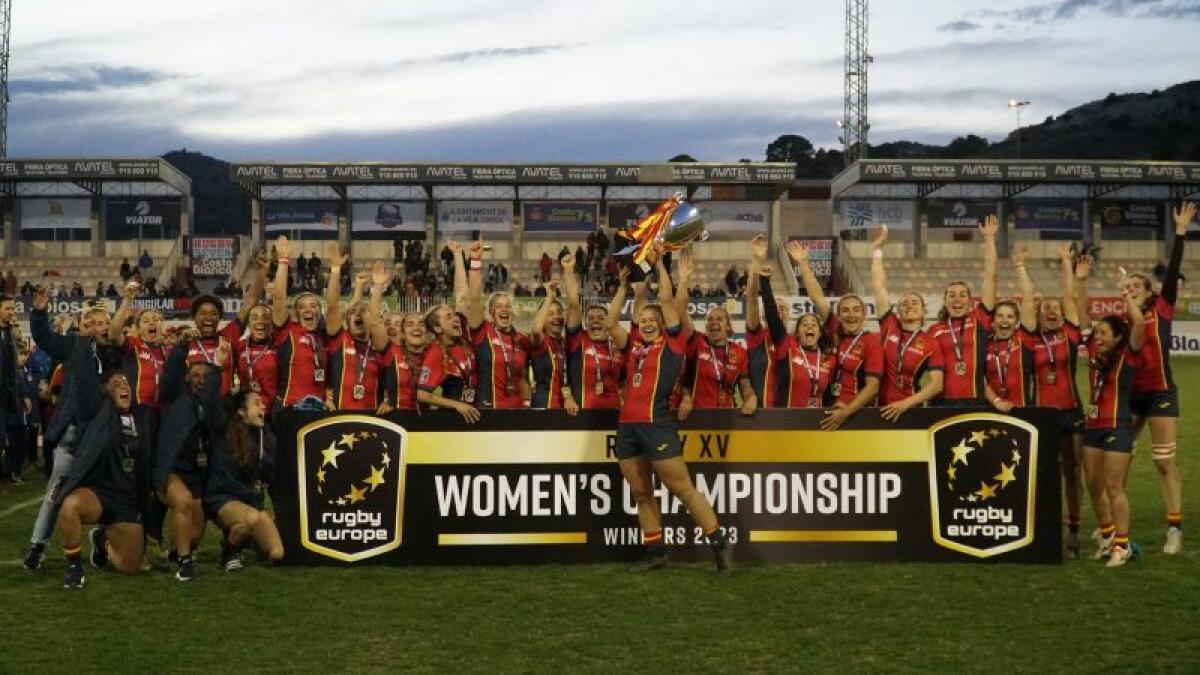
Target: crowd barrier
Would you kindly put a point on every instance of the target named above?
(540, 487)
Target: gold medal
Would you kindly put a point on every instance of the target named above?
(1093, 411)
(254, 386)
(814, 403)
(127, 465)
(637, 379)
(960, 368)
(835, 389)
(318, 375)
(599, 387)
(1051, 377)
(468, 395)
(201, 459)
(359, 392)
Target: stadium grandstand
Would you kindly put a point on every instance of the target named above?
(934, 208)
(74, 221)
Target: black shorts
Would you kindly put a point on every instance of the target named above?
(193, 478)
(116, 507)
(1155, 404)
(214, 504)
(653, 441)
(1109, 440)
(1070, 421)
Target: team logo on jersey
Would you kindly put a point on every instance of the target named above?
(982, 483)
(351, 475)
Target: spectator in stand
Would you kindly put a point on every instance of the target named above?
(145, 262)
(397, 251)
(695, 292)
(234, 288)
(581, 267)
(99, 289)
(126, 270)
(10, 283)
(447, 260)
(27, 289)
(731, 280)
(314, 271)
(591, 246)
(566, 251)
(520, 291)
(111, 292)
(220, 290)
(601, 243)
(545, 264)
(539, 291)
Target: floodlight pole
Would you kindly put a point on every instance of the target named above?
(1014, 104)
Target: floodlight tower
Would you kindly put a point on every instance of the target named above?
(854, 124)
(5, 25)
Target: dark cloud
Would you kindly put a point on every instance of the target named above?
(958, 27)
(84, 78)
(721, 131)
(1063, 10)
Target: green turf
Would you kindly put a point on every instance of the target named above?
(836, 617)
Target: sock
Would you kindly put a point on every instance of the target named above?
(1073, 523)
(73, 553)
(1175, 520)
(1107, 529)
(654, 543)
(1121, 540)
(716, 538)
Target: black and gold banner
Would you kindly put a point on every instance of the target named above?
(538, 486)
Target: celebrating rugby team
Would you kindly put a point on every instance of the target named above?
(148, 427)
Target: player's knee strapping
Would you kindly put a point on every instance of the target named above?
(1162, 450)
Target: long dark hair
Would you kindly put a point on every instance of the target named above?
(1120, 330)
(238, 433)
(943, 313)
(824, 342)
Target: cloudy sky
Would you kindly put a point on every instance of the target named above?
(557, 80)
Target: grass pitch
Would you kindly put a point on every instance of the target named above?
(808, 617)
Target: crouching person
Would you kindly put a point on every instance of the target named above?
(243, 466)
(107, 484)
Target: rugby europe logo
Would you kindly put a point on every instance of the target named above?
(351, 484)
(982, 483)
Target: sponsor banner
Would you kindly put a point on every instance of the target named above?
(525, 174)
(485, 216)
(387, 217)
(752, 217)
(821, 252)
(864, 215)
(313, 215)
(624, 215)
(131, 218)
(1185, 338)
(1049, 214)
(1062, 172)
(103, 169)
(1147, 215)
(171, 308)
(213, 257)
(959, 214)
(560, 216)
(56, 214)
(940, 485)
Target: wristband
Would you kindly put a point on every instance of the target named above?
(476, 264)
(877, 254)
(283, 261)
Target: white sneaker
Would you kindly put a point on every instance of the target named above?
(1174, 541)
(1103, 545)
(1120, 556)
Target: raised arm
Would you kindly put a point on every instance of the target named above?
(262, 262)
(360, 285)
(1082, 269)
(665, 291)
(1184, 213)
(460, 274)
(683, 273)
(1067, 280)
(883, 301)
(333, 290)
(988, 296)
(279, 308)
(214, 411)
(116, 328)
(799, 256)
(758, 257)
(771, 308)
(55, 344)
(612, 320)
(538, 329)
(475, 309)
(375, 325)
(571, 293)
(1137, 323)
(1028, 305)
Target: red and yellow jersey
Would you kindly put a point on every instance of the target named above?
(1054, 356)
(1154, 372)
(204, 350)
(807, 373)
(453, 369)
(548, 358)
(594, 371)
(400, 377)
(857, 357)
(1009, 369)
(1111, 381)
(301, 361)
(355, 371)
(652, 369)
(713, 371)
(143, 366)
(502, 358)
(907, 356)
(763, 355)
(257, 369)
(964, 343)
